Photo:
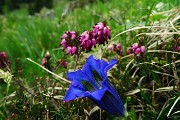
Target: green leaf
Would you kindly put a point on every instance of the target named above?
(6, 76)
(167, 108)
(132, 114)
(150, 11)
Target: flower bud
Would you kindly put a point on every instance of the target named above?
(128, 52)
(137, 51)
(44, 62)
(142, 49)
(4, 62)
(47, 56)
(118, 46)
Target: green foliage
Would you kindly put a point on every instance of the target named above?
(168, 108)
(132, 114)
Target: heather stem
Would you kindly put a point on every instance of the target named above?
(77, 58)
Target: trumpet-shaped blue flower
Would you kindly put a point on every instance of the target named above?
(91, 81)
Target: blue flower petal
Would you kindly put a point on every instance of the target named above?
(96, 95)
(96, 70)
(77, 76)
(87, 70)
(73, 92)
(106, 84)
(96, 64)
(112, 93)
(100, 66)
(107, 101)
(110, 65)
(112, 104)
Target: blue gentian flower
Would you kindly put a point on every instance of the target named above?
(91, 81)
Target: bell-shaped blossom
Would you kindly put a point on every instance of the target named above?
(91, 81)
(44, 62)
(119, 49)
(4, 61)
(64, 44)
(138, 49)
(142, 49)
(118, 46)
(121, 52)
(64, 63)
(101, 32)
(87, 41)
(73, 35)
(128, 52)
(71, 50)
(134, 47)
(70, 41)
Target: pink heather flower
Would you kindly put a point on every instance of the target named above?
(137, 51)
(74, 50)
(71, 50)
(73, 35)
(142, 49)
(64, 36)
(121, 52)
(101, 32)
(118, 46)
(119, 49)
(134, 47)
(44, 62)
(63, 42)
(106, 31)
(4, 62)
(128, 52)
(178, 48)
(87, 41)
(64, 63)
(70, 41)
(112, 47)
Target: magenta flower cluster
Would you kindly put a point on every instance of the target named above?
(70, 42)
(119, 49)
(101, 32)
(138, 49)
(87, 40)
(73, 42)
